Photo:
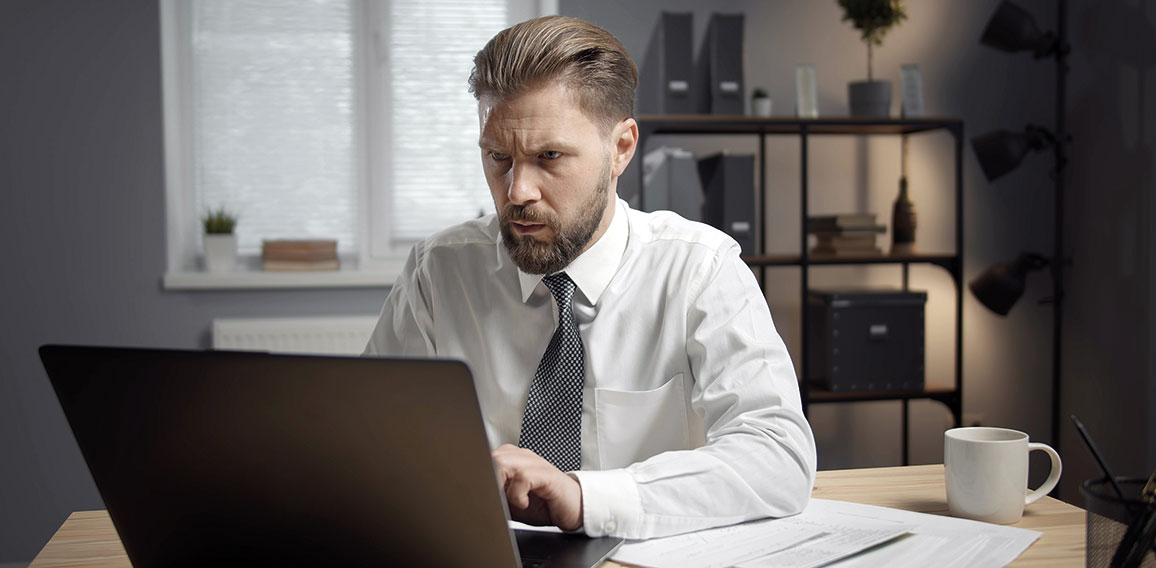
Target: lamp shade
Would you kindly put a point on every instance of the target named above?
(1001, 285)
(1002, 151)
(1013, 29)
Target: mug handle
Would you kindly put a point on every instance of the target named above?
(1053, 476)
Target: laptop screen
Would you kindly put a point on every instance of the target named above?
(208, 457)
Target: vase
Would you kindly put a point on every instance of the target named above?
(870, 98)
(220, 252)
(903, 222)
(761, 106)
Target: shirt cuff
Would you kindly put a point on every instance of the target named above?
(610, 503)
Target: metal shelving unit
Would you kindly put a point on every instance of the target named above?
(952, 262)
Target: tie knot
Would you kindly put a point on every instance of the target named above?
(561, 286)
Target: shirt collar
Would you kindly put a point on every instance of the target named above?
(593, 269)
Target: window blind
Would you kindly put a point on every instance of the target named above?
(278, 122)
(435, 174)
(273, 117)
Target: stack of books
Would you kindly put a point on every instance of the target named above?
(846, 234)
(300, 255)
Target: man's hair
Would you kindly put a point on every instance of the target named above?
(584, 56)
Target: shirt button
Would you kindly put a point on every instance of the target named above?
(609, 526)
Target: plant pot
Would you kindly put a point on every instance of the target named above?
(870, 98)
(761, 106)
(220, 253)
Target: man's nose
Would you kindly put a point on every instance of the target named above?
(524, 187)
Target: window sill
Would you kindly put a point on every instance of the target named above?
(253, 279)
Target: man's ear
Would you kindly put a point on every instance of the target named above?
(625, 143)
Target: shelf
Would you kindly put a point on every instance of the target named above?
(818, 395)
(738, 124)
(762, 127)
(797, 260)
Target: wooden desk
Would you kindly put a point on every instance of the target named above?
(920, 488)
(87, 538)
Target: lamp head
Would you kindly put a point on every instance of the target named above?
(1002, 151)
(1001, 285)
(1013, 29)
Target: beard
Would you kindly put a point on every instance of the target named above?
(569, 239)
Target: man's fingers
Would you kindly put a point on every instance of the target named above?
(536, 491)
(518, 491)
(502, 462)
(506, 463)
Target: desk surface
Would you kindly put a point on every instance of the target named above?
(920, 488)
(87, 538)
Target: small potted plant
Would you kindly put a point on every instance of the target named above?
(219, 240)
(872, 18)
(760, 103)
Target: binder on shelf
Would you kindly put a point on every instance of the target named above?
(720, 66)
(666, 85)
(728, 182)
(671, 182)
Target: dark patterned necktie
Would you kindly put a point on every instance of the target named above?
(552, 423)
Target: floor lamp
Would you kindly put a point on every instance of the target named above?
(1012, 29)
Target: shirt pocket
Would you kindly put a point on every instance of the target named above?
(635, 425)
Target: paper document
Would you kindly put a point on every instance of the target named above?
(815, 537)
(837, 533)
(940, 541)
(520, 526)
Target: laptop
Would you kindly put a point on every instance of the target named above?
(224, 457)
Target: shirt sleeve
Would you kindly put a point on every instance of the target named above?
(405, 326)
(759, 457)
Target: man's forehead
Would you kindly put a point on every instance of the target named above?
(548, 112)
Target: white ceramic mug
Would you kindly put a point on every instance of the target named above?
(986, 472)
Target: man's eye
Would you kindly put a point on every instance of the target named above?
(551, 154)
(499, 157)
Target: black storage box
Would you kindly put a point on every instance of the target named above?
(864, 340)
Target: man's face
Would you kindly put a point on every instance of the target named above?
(551, 172)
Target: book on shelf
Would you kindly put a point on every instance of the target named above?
(846, 234)
(862, 230)
(308, 265)
(843, 222)
(820, 250)
(862, 240)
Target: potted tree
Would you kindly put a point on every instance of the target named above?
(872, 18)
(219, 240)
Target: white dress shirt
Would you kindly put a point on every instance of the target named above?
(691, 412)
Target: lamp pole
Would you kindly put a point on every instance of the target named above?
(1059, 259)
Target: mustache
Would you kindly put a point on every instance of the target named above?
(512, 212)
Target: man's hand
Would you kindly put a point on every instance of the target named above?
(538, 492)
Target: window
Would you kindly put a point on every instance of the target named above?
(344, 119)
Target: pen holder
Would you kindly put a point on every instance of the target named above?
(1109, 517)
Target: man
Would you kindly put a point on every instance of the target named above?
(626, 363)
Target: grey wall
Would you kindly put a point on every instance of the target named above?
(81, 200)
(82, 210)
(1108, 376)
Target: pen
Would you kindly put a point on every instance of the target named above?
(1096, 454)
(1137, 540)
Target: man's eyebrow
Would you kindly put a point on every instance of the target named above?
(553, 144)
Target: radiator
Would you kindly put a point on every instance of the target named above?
(345, 335)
